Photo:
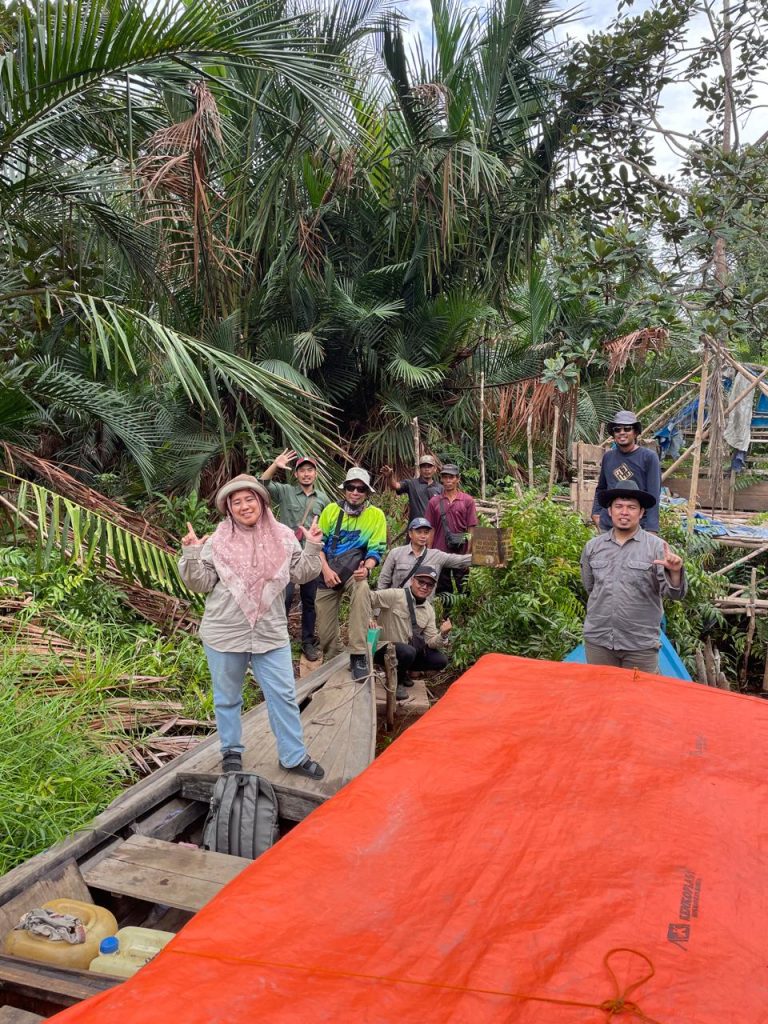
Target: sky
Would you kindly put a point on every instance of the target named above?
(678, 113)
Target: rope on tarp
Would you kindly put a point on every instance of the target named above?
(620, 1004)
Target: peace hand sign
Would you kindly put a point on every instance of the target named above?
(190, 538)
(314, 534)
(672, 562)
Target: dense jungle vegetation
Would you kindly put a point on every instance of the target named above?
(231, 226)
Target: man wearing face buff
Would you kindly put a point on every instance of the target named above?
(244, 568)
(354, 540)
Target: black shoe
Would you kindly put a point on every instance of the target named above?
(407, 682)
(358, 666)
(310, 650)
(307, 767)
(401, 693)
(232, 761)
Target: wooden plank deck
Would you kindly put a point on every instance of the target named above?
(339, 722)
(416, 703)
(141, 800)
(159, 872)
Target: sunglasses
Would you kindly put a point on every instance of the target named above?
(622, 430)
(355, 489)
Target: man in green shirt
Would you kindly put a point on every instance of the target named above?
(299, 503)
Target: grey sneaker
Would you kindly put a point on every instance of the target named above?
(401, 693)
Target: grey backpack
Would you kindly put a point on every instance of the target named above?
(242, 819)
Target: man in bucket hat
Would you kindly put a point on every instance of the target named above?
(418, 488)
(299, 502)
(402, 563)
(407, 618)
(627, 573)
(354, 541)
(627, 460)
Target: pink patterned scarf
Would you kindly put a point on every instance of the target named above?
(254, 562)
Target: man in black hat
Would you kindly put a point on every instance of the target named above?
(627, 460)
(627, 573)
(407, 618)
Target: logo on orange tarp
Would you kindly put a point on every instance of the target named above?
(679, 932)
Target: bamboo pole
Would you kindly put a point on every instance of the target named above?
(758, 381)
(740, 561)
(482, 437)
(416, 442)
(690, 450)
(663, 395)
(390, 676)
(529, 440)
(553, 459)
(670, 411)
(765, 672)
(751, 626)
(698, 442)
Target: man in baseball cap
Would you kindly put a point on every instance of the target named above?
(402, 563)
(627, 460)
(299, 503)
(451, 515)
(407, 618)
(419, 488)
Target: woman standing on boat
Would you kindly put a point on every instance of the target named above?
(244, 567)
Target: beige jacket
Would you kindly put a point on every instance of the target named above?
(395, 618)
(224, 627)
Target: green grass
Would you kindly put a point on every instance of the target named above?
(54, 772)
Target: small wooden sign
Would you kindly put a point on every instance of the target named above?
(491, 545)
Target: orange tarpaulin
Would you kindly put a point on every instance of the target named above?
(485, 866)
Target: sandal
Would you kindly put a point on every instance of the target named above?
(307, 767)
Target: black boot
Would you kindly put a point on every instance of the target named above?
(358, 666)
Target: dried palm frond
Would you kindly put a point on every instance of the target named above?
(517, 402)
(630, 347)
(68, 487)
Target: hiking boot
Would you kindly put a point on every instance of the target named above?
(401, 693)
(231, 761)
(307, 767)
(358, 666)
(310, 650)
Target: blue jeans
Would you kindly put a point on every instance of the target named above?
(273, 672)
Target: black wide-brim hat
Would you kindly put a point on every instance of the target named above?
(627, 490)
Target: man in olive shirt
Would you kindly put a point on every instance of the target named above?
(299, 504)
(627, 573)
(402, 563)
(407, 620)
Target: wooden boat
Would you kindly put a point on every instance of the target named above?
(129, 860)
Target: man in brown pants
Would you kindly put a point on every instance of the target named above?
(627, 573)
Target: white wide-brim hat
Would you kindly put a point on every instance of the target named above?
(360, 476)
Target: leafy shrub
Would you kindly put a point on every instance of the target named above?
(534, 607)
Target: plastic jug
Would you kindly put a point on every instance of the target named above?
(98, 922)
(129, 949)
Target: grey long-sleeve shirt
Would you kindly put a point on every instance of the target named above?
(626, 591)
(400, 561)
(224, 627)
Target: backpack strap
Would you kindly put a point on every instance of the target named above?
(412, 613)
(444, 520)
(336, 532)
(416, 565)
